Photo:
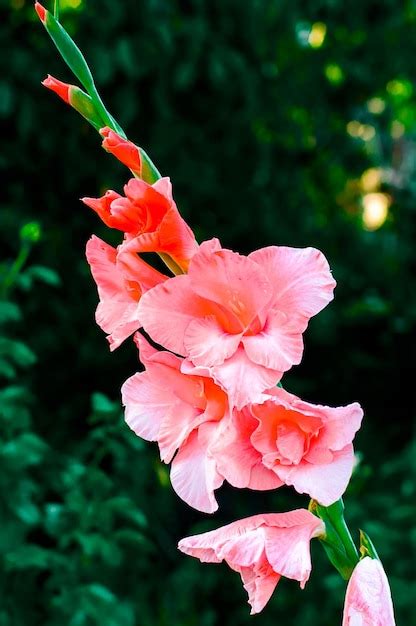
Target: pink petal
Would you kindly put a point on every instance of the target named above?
(122, 319)
(117, 312)
(237, 460)
(209, 544)
(263, 478)
(301, 277)
(259, 582)
(243, 380)
(176, 237)
(149, 355)
(280, 344)
(368, 599)
(257, 547)
(175, 428)
(109, 279)
(172, 236)
(167, 310)
(341, 425)
(135, 269)
(232, 281)
(313, 479)
(147, 403)
(287, 550)
(207, 344)
(243, 550)
(164, 187)
(194, 476)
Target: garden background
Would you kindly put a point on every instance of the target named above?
(279, 122)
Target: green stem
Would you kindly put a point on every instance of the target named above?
(340, 525)
(56, 9)
(106, 116)
(15, 269)
(337, 542)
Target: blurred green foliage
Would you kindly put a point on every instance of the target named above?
(274, 120)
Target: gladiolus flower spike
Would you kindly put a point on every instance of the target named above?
(225, 328)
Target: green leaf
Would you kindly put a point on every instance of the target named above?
(24, 451)
(33, 556)
(44, 274)
(9, 312)
(69, 51)
(17, 352)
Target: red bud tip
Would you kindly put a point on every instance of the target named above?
(60, 88)
(41, 11)
(125, 151)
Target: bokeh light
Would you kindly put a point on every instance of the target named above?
(376, 208)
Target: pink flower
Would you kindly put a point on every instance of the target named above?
(182, 413)
(306, 445)
(368, 599)
(187, 415)
(149, 217)
(120, 286)
(123, 149)
(240, 319)
(261, 548)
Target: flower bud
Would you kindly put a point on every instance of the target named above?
(75, 97)
(123, 149)
(31, 232)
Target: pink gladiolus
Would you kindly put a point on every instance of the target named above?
(184, 415)
(368, 599)
(149, 217)
(262, 548)
(240, 319)
(60, 88)
(188, 416)
(306, 445)
(123, 149)
(119, 287)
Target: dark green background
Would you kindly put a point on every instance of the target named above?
(249, 121)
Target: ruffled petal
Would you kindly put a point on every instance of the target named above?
(259, 582)
(207, 344)
(232, 281)
(280, 344)
(117, 313)
(243, 380)
(146, 403)
(167, 310)
(194, 476)
(237, 460)
(313, 479)
(301, 278)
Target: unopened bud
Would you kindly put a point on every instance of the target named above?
(31, 232)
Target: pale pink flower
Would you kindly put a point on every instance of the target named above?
(182, 413)
(308, 446)
(368, 599)
(239, 319)
(120, 286)
(188, 416)
(261, 548)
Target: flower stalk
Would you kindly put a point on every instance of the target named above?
(337, 542)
